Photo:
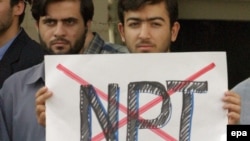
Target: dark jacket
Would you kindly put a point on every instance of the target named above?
(23, 53)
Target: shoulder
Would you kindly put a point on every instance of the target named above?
(24, 40)
(106, 47)
(28, 41)
(29, 51)
(243, 87)
(23, 77)
(24, 45)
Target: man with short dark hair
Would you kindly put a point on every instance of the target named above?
(148, 25)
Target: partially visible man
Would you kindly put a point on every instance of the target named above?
(63, 27)
(243, 89)
(17, 50)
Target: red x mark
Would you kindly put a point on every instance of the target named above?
(143, 109)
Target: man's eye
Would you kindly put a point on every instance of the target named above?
(49, 22)
(70, 22)
(156, 24)
(133, 25)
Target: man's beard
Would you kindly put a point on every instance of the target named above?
(5, 25)
(78, 46)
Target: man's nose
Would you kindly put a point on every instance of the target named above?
(145, 31)
(59, 30)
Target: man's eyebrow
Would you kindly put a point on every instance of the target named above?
(156, 18)
(69, 18)
(64, 19)
(47, 18)
(133, 19)
(148, 19)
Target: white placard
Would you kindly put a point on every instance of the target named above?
(156, 96)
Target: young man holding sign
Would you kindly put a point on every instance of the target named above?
(148, 26)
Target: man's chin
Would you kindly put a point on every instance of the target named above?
(61, 52)
(145, 51)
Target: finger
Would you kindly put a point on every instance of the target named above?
(43, 97)
(233, 118)
(40, 114)
(41, 91)
(232, 93)
(232, 98)
(42, 119)
(40, 109)
(232, 108)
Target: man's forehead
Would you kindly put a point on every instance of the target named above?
(149, 10)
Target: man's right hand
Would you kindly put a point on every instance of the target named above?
(41, 96)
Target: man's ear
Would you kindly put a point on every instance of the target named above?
(88, 24)
(174, 31)
(19, 9)
(121, 31)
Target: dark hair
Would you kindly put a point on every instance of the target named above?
(21, 17)
(38, 8)
(126, 5)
